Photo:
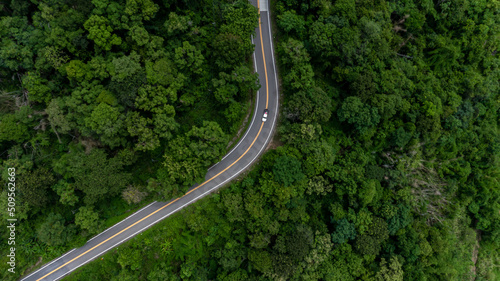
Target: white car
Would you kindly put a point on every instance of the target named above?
(264, 118)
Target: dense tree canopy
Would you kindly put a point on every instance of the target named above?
(386, 166)
(94, 92)
(389, 159)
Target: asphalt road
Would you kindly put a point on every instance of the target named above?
(253, 143)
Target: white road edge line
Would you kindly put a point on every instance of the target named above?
(120, 222)
(48, 264)
(91, 239)
(253, 119)
(274, 66)
(208, 191)
(162, 218)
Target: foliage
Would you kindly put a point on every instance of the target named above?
(287, 170)
(94, 174)
(188, 158)
(344, 232)
(94, 92)
(88, 219)
(53, 231)
(388, 161)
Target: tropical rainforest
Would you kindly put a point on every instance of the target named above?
(385, 165)
(108, 105)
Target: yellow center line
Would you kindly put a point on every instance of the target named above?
(263, 56)
(128, 227)
(251, 145)
(261, 125)
(107, 239)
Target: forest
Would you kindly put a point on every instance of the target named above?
(385, 165)
(106, 106)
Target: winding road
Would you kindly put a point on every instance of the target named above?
(246, 152)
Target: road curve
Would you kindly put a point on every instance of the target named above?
(237, 160)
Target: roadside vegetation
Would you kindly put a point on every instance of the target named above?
(108, 105)
(389, 164)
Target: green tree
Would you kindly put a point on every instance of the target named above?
(17, 50)
(140, 35)
(162, 71)
(240, 20)
(401, 137)
(12, 130)
(142, 128)
(33, 187)
(233, 113)
(319, 185)
(379, 229)
(53, 231)
(367, 245)
(177, 24)
(225, 92)
(310, 105)
(133, 194)
(299, 243)
(66, 192)
(368, 192)
(156, 99)
(363, 220)
(287, 170)
(294, 53)
(94, 174)
(236, 85)
(124, 67)
(99, 67)
(401, 219)
(230, 50)
(290, 21)
(141, 9)
(390, 272)
(108, 123)
(78, 70)
(188, 58)
(187, 158)
(38, 87)
(57, 117)
(101, 32)
(344, 232)
(261, 260)
(207, 142)
(88, 219)
(361, 115)
(234, 205)
(129, 257)
(319, 256)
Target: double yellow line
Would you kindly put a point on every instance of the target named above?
(207, 181)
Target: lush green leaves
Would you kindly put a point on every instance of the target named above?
(88, 219)
(101, 32)
(361, 116)
(194, 153)
(344, 232)
(53, 231)
(93, 173)
(287, 170)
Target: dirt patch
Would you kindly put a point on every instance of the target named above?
(89, 144)
(274, 143)
(33, 266)
(242, 127)
(475, 252)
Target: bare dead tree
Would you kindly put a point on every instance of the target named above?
(427, 187)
